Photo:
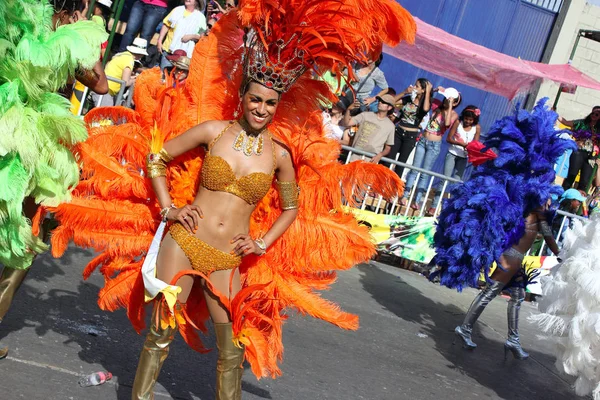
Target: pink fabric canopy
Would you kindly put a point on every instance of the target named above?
(477, 66)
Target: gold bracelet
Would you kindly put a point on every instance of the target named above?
(165, 156)
(288, 194)
(156, 163)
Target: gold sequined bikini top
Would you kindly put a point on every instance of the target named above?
(217, 175)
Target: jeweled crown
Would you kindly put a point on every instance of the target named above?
(276, 66)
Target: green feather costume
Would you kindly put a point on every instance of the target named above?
(37, 129)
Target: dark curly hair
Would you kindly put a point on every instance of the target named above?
(469, 111)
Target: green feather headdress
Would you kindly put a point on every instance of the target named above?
(37, 129)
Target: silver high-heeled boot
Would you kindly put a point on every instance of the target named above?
(479, 303)
(517, 295)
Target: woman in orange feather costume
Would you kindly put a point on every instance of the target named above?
(242, 246)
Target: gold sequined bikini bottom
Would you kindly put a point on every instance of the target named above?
(204, 258)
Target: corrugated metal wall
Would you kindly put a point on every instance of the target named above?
(518, 28)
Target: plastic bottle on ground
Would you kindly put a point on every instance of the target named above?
(97, 378)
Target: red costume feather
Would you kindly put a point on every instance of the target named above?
(115, 211)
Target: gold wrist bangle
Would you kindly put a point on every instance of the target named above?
(288, 194)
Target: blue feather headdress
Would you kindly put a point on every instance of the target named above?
(486, 215)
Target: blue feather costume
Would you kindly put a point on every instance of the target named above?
(486, 215)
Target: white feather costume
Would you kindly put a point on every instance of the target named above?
(570, 307)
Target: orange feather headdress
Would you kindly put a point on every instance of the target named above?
(287, 38)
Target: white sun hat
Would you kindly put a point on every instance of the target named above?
(450, 93)
(139, 46)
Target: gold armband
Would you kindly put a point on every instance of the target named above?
(288, 194)
(156, 163)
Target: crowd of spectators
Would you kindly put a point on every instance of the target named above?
(426, 127)
(372, 117)
(157, 33)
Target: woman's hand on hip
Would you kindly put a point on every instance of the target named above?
(244, 245)
(189, 216)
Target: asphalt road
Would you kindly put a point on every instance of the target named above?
(403, 349)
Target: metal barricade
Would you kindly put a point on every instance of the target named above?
(118, 97)
(98, 101)
(420, 172)
(446, 180)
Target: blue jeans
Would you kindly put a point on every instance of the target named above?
(454, 167)
(144, 16)
(426, 153)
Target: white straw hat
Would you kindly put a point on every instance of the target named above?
(107, 3)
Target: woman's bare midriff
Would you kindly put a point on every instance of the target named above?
(431, 137)
(225, 216)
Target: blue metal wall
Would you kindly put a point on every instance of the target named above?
(514, 27)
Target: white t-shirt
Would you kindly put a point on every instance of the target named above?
(185, 24)
(464, 136)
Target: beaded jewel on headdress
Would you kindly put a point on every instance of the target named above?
(277, 69)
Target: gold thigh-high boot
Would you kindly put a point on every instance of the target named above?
(154, 353)
(10, 280)
(229, 364)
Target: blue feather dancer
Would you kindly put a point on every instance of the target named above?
(486, 215)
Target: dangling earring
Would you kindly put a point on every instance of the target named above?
(238, 111)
